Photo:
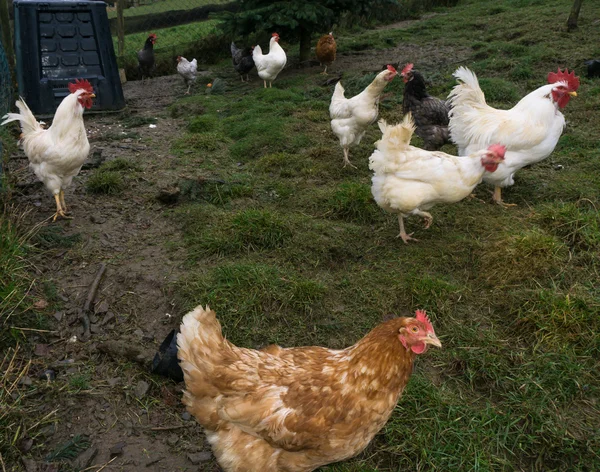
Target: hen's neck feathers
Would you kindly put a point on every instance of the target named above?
(68, 118)
(533, 99)
(379, 360)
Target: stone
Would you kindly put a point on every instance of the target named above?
(203, 456)
(141, 389)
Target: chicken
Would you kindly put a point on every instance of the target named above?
(188, 71)
(146, 57)
(325, 50)
(243, 62)
(429, 113)
(295, 409)
(269, 65)
(408, 180)
(56, 154)
(529, 130)
(350, 117)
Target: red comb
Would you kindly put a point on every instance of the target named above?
(152, 35)
(80, 85)
(391, 68)
(274, 34)
(407, 68)
(497, 149)
(421, 315)
(569, 77)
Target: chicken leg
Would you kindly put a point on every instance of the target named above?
(346, 159)
(59, 209)
(63, 205)
(405, 237)
(325, 71)
(265, 83)
(498, 198)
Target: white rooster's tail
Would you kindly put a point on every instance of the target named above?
(28, 122)
(467, 92)
(468, 105)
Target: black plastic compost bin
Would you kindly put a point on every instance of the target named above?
(58, 41)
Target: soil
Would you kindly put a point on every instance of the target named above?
(134, 420)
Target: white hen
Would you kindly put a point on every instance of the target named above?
(529, 130)
(408, 180)
(188, 70)
(350, 117)
(56, 154)
(269, 65)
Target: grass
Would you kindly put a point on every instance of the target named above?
(165, 6)
(109, 177)
(300, 254)
(169, 40)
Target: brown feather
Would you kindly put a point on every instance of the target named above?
(326, 49)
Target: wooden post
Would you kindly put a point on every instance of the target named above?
(574, 15)
(120, 27)
(6, 34)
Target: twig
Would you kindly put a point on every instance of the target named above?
(84, 313)
(33, 329)
(2, 463)
(101, 468)
(167, 428)
(152, 462)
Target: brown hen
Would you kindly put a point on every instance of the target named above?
(325, 50)
(293, 410)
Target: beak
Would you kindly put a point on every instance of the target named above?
(93, 95)
(433, 340)
(573, 94)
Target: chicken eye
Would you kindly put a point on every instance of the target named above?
(414, 329)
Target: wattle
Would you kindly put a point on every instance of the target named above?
(490, 167)
(419, 348)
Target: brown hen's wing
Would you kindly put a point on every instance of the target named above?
(291, 403)
(326, 49)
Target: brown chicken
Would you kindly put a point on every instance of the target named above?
(325, 50)
(293, 410)
(429, 113)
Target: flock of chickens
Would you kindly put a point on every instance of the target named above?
(293, 410)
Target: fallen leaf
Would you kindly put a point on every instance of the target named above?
(40, 304)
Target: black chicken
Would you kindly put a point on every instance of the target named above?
(430, 114)
(593, 68)
(242, 60)
(146, 57)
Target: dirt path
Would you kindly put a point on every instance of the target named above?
(118, 403)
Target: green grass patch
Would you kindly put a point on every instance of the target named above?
(108, 182)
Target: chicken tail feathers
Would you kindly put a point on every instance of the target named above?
(467, 91)
(28, 121)
(200, 331)
(398, 136)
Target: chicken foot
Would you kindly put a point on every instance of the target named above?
(59, 209)
(405, 237)
(426, 216)
(346, 159)
(325, 71)
(497, 197)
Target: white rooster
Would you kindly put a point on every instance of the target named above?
(56, 154)
(269, 65)
(350, 117)
(529, 130)
(408, 180)
(188, 70)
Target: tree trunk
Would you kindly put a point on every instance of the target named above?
(574, 15)
(304, 44)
